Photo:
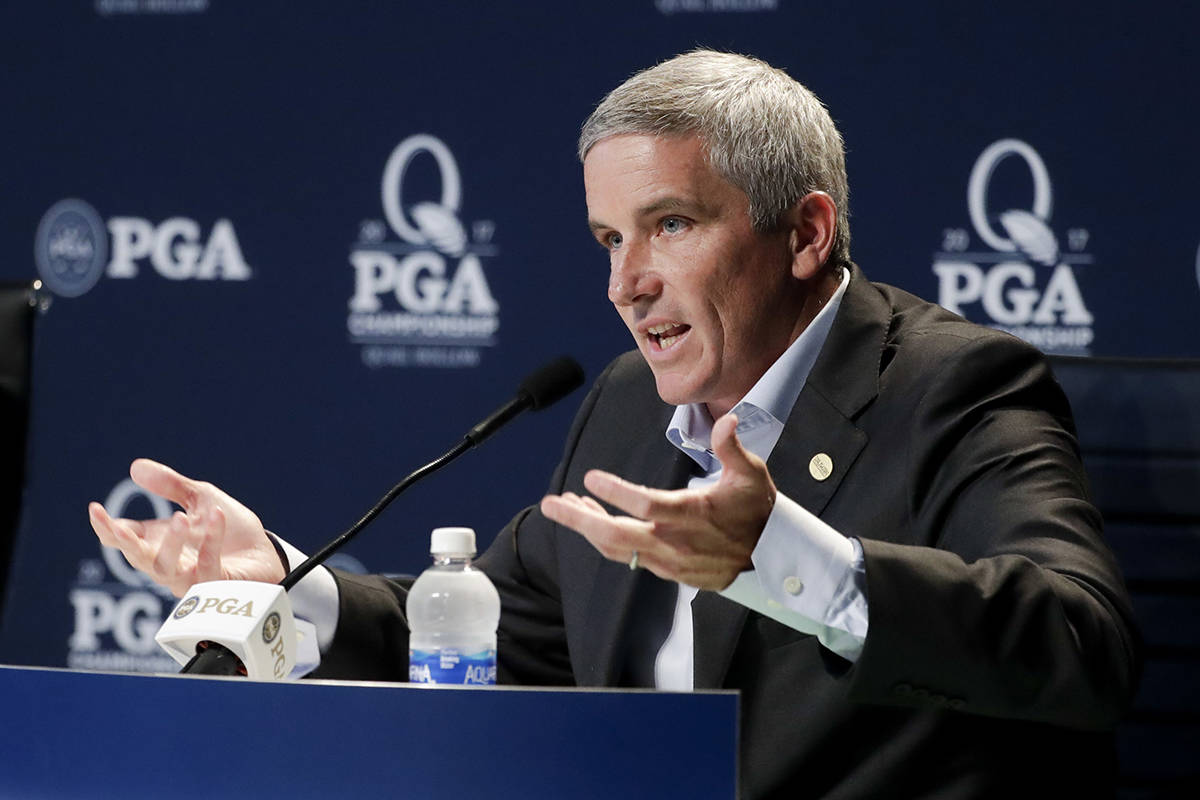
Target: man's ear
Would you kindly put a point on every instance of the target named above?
(813, 224)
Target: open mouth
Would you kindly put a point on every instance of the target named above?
(667, 335)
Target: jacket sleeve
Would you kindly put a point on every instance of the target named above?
(1012, 606)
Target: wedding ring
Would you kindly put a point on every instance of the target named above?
(633, 562)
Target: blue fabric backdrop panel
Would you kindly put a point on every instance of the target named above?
(297, 250)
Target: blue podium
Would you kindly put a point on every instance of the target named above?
(94, 735)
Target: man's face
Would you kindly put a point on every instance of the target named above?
(710, 302)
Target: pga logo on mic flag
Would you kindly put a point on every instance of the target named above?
(254, 620)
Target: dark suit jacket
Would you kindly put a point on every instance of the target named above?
(1000, 646)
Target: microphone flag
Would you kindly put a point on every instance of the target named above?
(252, 619)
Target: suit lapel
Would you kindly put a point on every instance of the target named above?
(815, 452)
(843, 381)
(820, 441)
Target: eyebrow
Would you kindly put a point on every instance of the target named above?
(657, 207)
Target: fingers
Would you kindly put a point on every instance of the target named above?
(191, 551)
(745, 485)
(614, 537)
(639, 501)
(126, 535)
(591, 503)
(166, 560)
(208, 553)
(571, 510)
(176, 552)
(165, 482)
(728, 448)
(102, 524)
(703, 536)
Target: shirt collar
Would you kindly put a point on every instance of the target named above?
(762, 412)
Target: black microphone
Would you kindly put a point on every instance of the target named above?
(541, 388)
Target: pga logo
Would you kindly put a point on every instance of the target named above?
(418, 273)
(1014, 292)
(419, 283)
(72, 249)
(177, 249)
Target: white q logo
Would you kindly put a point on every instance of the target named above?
(1026, 231)
(437, 223)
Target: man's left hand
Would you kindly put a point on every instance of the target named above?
(702, 537)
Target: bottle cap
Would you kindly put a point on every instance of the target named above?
(445, 541)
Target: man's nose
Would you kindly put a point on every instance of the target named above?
(632, 277)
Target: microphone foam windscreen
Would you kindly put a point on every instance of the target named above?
(552, 382)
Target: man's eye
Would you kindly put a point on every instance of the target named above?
(613, 241)
(672, 225)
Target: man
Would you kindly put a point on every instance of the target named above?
(866, 514)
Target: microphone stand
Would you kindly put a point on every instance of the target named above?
(293, 577)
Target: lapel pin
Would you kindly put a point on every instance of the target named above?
(820, 467)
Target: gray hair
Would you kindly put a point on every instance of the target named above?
(763, 132)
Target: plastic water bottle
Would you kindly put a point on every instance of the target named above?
(453, 612)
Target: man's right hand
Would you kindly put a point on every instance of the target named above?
(214, 538)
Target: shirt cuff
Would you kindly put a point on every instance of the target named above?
(807, 576)
(315, 597)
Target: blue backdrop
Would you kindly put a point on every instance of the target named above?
(297, 249)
